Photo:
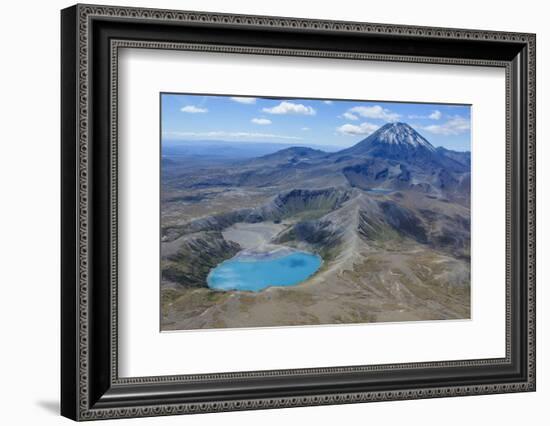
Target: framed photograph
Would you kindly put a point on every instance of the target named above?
(263, 212)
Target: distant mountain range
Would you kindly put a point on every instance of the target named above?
(395, 157)
(392, 141)
(226, 150)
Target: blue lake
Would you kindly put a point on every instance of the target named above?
(255, 274)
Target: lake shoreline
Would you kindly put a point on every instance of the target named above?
(283, 267)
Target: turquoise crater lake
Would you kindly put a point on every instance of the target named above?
(257, 273)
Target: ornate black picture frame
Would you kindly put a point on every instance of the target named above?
(91, 387)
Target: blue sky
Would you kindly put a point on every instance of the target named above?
(304, 122)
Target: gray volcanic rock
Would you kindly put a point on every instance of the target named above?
(315, 203)
(384, 218)
(446, 180)
(404, 221)
(318, 233)
(187, 260)
(463, 158)
(362, 175)
(300, 200)
(377, 173)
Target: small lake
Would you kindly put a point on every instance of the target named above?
(255, 274)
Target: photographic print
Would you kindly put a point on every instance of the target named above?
(292, 212)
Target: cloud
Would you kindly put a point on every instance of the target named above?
(290, 108)
(221, 134)
(261, 121)
(436, 115)
(193, 109)
(328, 102)
(354, 130)
(305, 128)
(349, 116)
(454, 126)
(244, 100)
(375, 111)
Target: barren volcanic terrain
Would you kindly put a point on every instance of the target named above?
(390, 218)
